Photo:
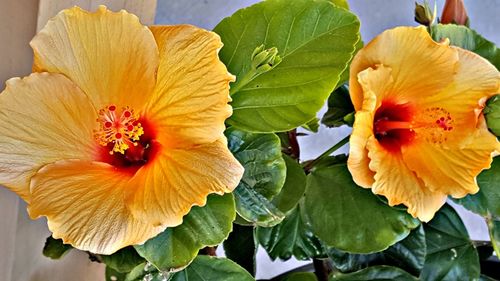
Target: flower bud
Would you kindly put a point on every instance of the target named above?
(423, 14)
(492, 114)
(264, 60)
(454, 12)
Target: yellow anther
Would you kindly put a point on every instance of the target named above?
(121, 129)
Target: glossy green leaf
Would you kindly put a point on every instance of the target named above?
(260, 154)
(450, 253)
(144, 272)
(55, 248)
(294, 187)
(344, 77)
(203, 268)
(124, 260)
(408, 254)
(255, 208)
(292, 237)
(312, 125)
(315, 40)
(300, 276)
(204, 226)
(241, 247)
(341, 3)
(494, 229)
(468, 39)
(375, 273)
(138, 272)
(350, 218)
(113, 275)
(486, 202)
(206, 268)
(339, 106)
(492, 114)
(265, 173)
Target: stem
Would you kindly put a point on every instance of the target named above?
(240, 83)
(327, 153)
(321, 269)
(294, 144)
(209, 251)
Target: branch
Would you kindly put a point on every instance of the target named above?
(294, 144)
(209, 251)
(321, 269)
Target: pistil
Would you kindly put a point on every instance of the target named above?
(384, 125)
(118, 129)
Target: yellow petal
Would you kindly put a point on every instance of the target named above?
(43, 118)
(420, 66)
(110, 56)
(191, 98)
(453, 170)
(474, 82)
(377, 85)
(84, 205)
(358, 154)
(178, 179)
(400, 185)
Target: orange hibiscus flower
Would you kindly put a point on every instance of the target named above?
(120, 130)
(419, 133)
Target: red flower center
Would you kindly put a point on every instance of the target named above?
(126, 141)
(393, 125)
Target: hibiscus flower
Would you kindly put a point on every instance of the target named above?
(119, 131)
(419, 132)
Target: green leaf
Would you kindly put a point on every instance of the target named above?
(265, 173)
(204, 226)
(468, 39)
(255, 208)
(241, 247)
(341, 3)
(492, 114)
(205, 268)
(494, 229)
(113, 275)
(339, 105)
(315, 40)
(55, 248)
(144, 272)
(290, 237)
(124, 260)
(312, 125)
(300, 276)
(344, 77)
(450, 253)
(408, 254)
(260, 154)
(374, 273)
(487, 201)
(294, 187)
(350, 218)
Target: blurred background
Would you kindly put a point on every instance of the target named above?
(22, 240)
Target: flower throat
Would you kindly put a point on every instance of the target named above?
(123, 138)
